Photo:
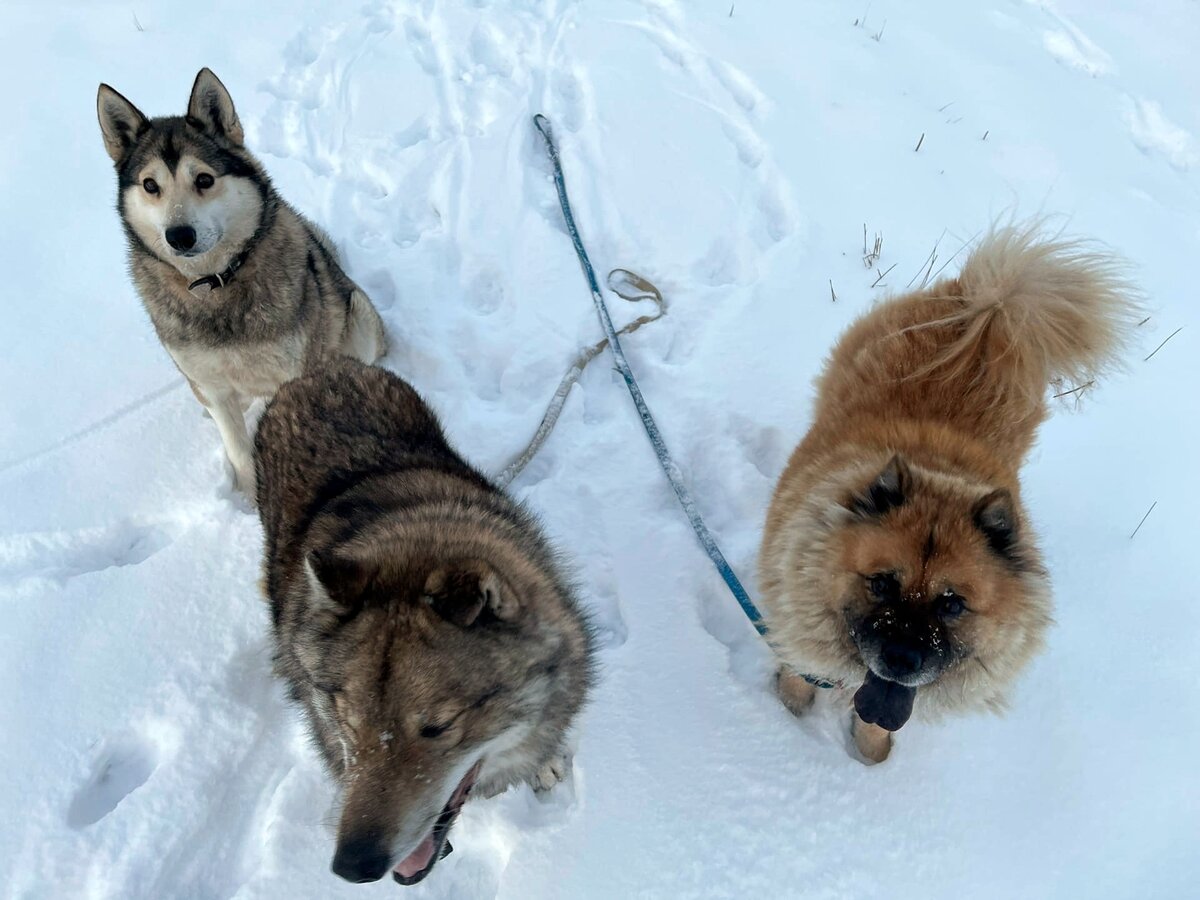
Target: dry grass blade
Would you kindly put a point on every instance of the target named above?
(1164, 343)
(870, 257)
(1144, 518)
(1075, 390)
(927, 266)
(882, 274)
(965, 244)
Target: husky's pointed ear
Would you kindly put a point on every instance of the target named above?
(339, 578)
(464, 591)
(121, 122)
(889, 489)
(211, 108)
(995, 514)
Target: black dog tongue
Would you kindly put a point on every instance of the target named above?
(884, 703)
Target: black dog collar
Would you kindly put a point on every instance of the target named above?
(220, 279)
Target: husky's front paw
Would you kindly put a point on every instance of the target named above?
(488, 788)
(246, 483)
(554, 770)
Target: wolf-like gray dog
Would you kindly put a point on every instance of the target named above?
(243, 291)
(421, 620)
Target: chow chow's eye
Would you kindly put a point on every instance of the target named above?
(204, 181)
(150, 186)
(433, 731)
(950, 605)
(884, 586)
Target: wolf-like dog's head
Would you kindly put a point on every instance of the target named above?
(188, 190)
(429, 680)
(925, 580)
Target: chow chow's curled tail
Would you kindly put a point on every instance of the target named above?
(1037, 311)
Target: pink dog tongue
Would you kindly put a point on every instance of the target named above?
(418, 860)
(422, 858)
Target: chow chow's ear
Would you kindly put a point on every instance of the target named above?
(995, 515)
(211, 108)
(340, 579)
(463, 592)
(121, 122)
(889, 489)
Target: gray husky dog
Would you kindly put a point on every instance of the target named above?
(244, 292)
(420, 618)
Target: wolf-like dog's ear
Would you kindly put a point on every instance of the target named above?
(342, 577)
(211, 107)
(460, 592)
(995, 515)
(889, 489)
(121, 122)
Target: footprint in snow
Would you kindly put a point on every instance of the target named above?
(491, 51)
(751, 149)
(1153, 133)
(571, 98)
(738, 85)
(721, 616)
(765, 448)
(775, 205)
(63, 555)
(724, 263)
(485, 290)
(604, 611)
(421, 45)
(123, 764)
(1071, 47)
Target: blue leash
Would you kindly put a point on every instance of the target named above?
(656, 440)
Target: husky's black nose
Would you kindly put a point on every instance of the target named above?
(901, 659)
(361, 860)
(181, 237)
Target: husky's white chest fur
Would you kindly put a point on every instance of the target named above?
(247, 370)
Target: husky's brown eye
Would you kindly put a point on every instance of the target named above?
(884, 586)
(950, 605)
(204, 181)
(433, 731)
(150, 186)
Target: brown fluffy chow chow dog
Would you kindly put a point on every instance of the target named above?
(897, 558)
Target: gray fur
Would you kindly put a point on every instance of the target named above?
(409, 594)
(289, 306)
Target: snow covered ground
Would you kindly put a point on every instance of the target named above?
(733, 153)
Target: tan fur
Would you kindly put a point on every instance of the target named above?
(794, 692)
(873, 742)
(953, 379)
